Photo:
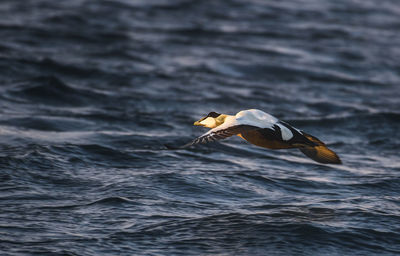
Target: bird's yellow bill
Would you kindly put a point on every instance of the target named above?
(198, 122)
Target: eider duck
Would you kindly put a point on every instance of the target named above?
(263, 130)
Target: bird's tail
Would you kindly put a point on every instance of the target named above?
(320, 152)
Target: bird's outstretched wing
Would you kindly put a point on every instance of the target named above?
(320, 152)
(216, 134)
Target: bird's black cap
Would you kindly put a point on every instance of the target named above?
(213, 115)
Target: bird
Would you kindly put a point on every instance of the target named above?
(264, 130)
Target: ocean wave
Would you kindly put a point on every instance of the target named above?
(232, 231)
(51, 90)
(91, 91)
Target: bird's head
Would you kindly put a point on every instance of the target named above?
(212, 120)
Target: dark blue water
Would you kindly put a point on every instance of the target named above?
(90, 91)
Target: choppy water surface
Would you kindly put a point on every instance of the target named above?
(91, 90)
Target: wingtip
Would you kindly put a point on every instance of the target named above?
(170, 147)
(321, 154)
(339, 161)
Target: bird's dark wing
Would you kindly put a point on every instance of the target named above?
(212, 136)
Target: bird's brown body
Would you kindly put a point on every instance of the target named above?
(256, 138)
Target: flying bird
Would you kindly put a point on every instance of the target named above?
(263, 130)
